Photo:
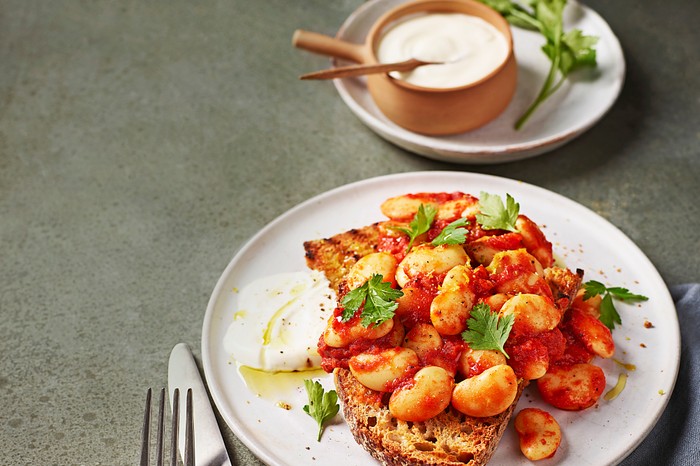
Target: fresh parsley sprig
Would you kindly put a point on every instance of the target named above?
(420, 224)
(567, 51)
(323, 406)
(379, 300)
(494, 215)
(454, 233)
(608, 314)
(485, 331)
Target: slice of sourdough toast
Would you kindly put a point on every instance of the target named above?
(336, 255)
(450, 439)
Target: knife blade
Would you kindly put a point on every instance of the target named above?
(209, 447)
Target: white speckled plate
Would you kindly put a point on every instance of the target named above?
(574, 108)
(599, 436)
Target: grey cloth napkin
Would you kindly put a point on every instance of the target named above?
(675, 440)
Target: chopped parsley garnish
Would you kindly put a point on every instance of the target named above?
(494, 215)
(323, 406)
(485, 331)
(567, 51)
(454, 233)
(420, 224)
(379, 300)
(608, 314)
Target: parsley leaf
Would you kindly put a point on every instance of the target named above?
(567, 52)
(454, 233)
(593, 288)
(323, 406)
(608, 314)
(379, 300)
(485, 331)
(496, 216)
(623, 294)
(420, 224)
(514, 13)
(577, 51)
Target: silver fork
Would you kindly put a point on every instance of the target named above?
(188, 457)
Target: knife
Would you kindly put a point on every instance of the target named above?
(209, 447)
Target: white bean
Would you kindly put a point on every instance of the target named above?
(427, 397)
(381, 263)
(573, 387)
(423, 338)
(535, 241)
(376, 370)
(486, 394)
(593, 333)
(539, 433)
(403, 208)
(473, 362)
(532, 313)
(425, 259)
(457, 208)
(339, 335)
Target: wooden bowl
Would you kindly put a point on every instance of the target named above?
(431, 111)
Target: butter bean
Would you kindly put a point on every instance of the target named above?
(376, 370)
(538, 432)
(427, 397)
(486, 394)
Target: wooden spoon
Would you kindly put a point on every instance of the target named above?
(360, 70)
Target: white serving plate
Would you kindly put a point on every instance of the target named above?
(580, 103)
(599, 436)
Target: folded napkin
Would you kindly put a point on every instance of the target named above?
(675, 440)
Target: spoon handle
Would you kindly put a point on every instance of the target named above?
(360, 70)
(326, 45)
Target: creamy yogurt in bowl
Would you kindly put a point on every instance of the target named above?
(467, 47)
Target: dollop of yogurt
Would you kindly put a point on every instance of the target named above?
(278, 321)
(468, 48)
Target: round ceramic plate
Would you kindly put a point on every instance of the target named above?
(602, 435)
(583, 99)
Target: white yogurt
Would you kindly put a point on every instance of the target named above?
(278, 322)
(470, 48)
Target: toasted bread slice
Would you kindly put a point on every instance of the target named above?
(336, 255)
(564, 284)
(450, 439)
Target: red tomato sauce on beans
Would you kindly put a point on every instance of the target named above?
(446, 356)
(332, 357)
(516, 273)
(414, 305)
(575, 351)
(395, 245)
(404, 382)
(441, 198)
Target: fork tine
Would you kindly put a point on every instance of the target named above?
(188, 454)
(175, 427)
(161, 428)
(145, 433)
(189, 431)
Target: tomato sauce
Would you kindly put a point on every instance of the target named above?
(332, 357)
(441, 198)
(576, 351)
(406, 381)
(446, 356)
(515, 273)
(414, 305)
(395, 245)
(481, 283)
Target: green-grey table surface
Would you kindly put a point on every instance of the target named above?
(143, 142)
